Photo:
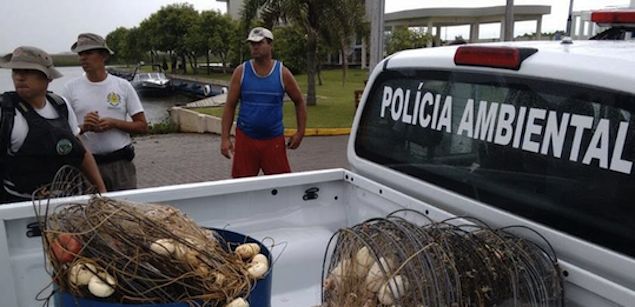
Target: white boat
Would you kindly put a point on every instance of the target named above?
(151, 83)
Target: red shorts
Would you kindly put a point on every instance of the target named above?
(252, 155)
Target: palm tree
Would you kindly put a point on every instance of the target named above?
(313, 16)
(305, 13)
(346, 22)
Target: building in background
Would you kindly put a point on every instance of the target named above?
(433, 21)
(233, 8)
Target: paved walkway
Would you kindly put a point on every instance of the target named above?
(183, 157)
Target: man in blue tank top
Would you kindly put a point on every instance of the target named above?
(260, 84)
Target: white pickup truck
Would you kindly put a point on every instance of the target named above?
(539, 134)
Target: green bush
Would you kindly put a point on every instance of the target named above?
(163, 127)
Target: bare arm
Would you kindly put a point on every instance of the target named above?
(293, 90)
(137, 125)
(90, 170)
(227, 147)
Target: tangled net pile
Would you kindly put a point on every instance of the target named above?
(139, 253)
(394, 262)
(154, 254)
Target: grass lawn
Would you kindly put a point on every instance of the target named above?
(335, 106)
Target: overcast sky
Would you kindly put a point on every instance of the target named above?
(54, 25)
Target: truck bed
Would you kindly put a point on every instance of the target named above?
(270, 209)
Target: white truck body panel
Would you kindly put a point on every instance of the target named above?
(300, 229)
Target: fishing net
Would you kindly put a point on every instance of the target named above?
(393, 261)
(132, 253)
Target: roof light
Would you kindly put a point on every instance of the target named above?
(496, 57)
(613, 17)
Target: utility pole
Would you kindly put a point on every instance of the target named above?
(509, 21)
(376, 10)
(569, 21)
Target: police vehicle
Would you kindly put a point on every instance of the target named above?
(620, 24)
(539, 135)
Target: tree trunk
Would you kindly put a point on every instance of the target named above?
(193, 63)
(174, 61)
(344, 60)
(311, 62)
(208, 68)
(183, 64)
(223, 58)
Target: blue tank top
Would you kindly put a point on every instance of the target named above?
(260, 114)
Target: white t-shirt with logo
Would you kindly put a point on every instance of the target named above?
(21, 127)
(113, 97)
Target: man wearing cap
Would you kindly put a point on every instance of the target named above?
(260, 84)
(41, 137)
(103, 103)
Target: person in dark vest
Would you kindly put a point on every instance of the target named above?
(260, 84)
(41, 136)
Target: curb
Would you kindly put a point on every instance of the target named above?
(191, 121)
(320, 131)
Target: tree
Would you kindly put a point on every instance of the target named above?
(248, 20)
(304, 13)
(543, 36)
(169, 29)
(148, 38)
(137, 46)
(346, 22)
(289, 43)
(311, 16)
(403, 38)
(128, 45)
(117, 41)
(196, 43)
(221, 32)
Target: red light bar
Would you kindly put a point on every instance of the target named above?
(496, 57)
(614, 17)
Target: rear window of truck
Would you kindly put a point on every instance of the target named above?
(557, 153)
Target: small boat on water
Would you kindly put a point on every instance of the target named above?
(198, 88)
(151, 83)
(156, 83)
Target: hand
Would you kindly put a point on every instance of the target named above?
(91, 122)
(106, 124)
(295, 140)
(227, 148)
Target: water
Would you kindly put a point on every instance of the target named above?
(155, 108)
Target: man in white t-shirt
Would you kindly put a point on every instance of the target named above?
(103, 104)
(38, 130)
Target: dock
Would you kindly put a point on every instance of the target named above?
(214, 101)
